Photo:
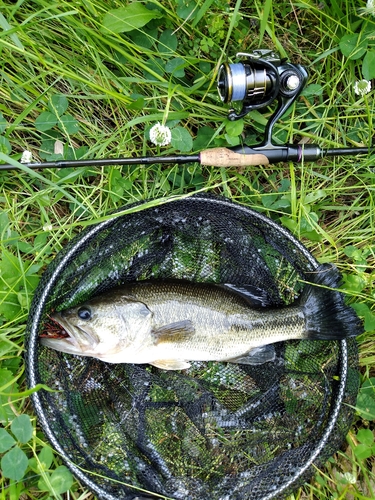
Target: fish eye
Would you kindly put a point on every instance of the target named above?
(84, 313)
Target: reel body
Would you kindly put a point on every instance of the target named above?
(257, 82)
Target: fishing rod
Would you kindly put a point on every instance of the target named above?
(256, 82)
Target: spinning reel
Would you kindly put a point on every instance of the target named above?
(258, 81)
(261, 78)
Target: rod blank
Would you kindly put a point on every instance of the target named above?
(145, 160)
(238, 156)
(347, 151)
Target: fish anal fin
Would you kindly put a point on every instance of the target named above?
(256, 356)
(171, 364)
(174, 332)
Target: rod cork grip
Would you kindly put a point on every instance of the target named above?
(225, 157)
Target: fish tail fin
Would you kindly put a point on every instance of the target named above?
(326, 314)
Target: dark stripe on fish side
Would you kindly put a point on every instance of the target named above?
(279, 322)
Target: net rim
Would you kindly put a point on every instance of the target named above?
(31, 352)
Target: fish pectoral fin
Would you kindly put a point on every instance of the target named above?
(256, 356)
(174, 332)
(171, 364)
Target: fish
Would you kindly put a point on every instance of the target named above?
(170, 324)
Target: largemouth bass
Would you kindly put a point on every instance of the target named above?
(170, 324)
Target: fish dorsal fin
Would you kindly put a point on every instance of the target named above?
(256, 297)
(256, 356)
(171, 364)
(174, 332)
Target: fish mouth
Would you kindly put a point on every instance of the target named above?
(53, 330)
(68, 338)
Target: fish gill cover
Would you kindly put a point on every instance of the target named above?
(216, 430)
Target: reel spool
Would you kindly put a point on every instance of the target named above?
(254, 82)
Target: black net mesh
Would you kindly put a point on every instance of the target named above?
(217, 430)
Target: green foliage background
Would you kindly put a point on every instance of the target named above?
(88, 79)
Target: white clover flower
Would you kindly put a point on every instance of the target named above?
(160, 135)
(369, 10)
(362, 87)
(349, 477)
(26, 157)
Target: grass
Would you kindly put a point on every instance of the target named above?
(117, 85)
